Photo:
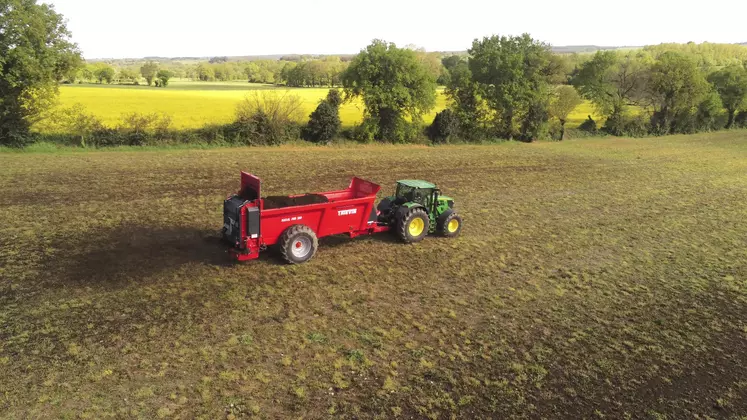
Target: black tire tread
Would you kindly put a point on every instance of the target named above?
(402, 225)
(443, 222)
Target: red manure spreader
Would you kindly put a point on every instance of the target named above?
(251, 223)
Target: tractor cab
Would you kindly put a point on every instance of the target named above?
(415, 191)
(418, 208)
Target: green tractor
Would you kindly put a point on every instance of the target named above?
(416, 209)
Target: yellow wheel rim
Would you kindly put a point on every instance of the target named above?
(416, 227)
(453, 225)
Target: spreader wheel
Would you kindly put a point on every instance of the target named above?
(449, 224)
(298, 244)
(413, 227)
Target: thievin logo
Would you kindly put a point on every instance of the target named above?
(347, 212)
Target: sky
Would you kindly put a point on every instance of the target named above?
(188, 28)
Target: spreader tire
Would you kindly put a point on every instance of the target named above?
(449, 224)
(413, 227)
(298, 244)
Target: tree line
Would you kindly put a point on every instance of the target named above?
(102, 73)
(290, 71)
(512, 87)
(658, 91)
(503, 87)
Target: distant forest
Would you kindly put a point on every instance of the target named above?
(294, 70)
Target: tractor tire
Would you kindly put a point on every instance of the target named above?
(413, 227)
(449, 224)
(298, 244)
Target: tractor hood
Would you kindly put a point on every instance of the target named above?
(447, 199)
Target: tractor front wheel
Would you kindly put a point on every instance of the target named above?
(413, 227)
(449, 224)
(298, 244)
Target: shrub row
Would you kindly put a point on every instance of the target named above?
(269, 118)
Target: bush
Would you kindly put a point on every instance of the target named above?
(685, 122)
(267, 118)
(324, 122)
(554, 129)
(534, 124)
(445, 126)
(710, 115)
(392, 126)
(163, 77)
(73, 122)
(740, 121)
(106, 136)
(658, 124)
(707, 116)
(576, 133)
(589, 126)
(615, 125)
(619, 124)
(364, 132)
(138, 129)
(637, 126)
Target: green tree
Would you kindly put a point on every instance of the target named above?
(446, 125)
(286, 72)
(731, 85)
(451, 61)
(35, 53)
(127, 75)
(69, 65)
(613, 81)
(253, 72)
(324, 122)
(560, 69)
(431, 61)
(469, 107)
(394, 85)
(710, 115)
(448, 64)
(563, 101)
(104, 73)
(205, 72)
(149, 71)
(164, 76)
(513, 75)
(705, 55)
(84, 73)
(676, 88)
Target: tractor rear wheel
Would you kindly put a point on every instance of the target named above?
(413, 227)
(449, 224)
(298, 244)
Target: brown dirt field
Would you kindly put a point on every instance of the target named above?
(602, 278)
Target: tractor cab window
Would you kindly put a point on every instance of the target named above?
(416, 195)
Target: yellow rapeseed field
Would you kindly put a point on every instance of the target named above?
(195, 104)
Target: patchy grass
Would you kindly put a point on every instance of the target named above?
(594, 278)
